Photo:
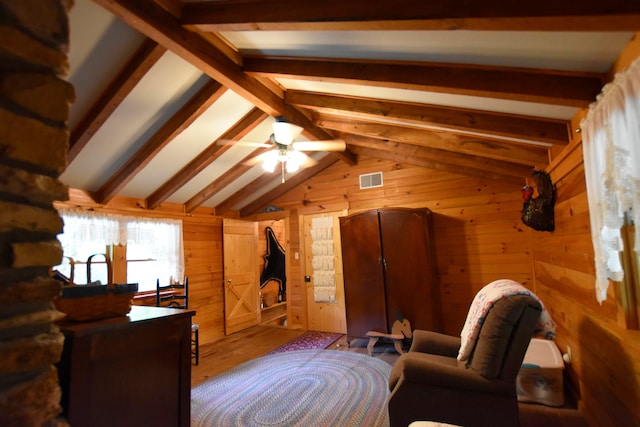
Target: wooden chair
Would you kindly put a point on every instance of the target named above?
(176, 295)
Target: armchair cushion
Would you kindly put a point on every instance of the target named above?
(497, 333)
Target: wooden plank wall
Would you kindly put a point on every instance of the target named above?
(478, 232)
(605, 372)
(204, 266)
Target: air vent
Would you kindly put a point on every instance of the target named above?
(371, 180)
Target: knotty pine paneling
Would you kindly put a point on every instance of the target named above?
(297, 301)
(204, 266)
(476, 221)
(605, 372)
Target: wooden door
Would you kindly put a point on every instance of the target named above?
(241, 301)
(363, 274)
(409, 268)
(324, 316)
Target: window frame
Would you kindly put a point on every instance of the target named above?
(166, 242)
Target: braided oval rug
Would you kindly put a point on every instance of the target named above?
(298, 388)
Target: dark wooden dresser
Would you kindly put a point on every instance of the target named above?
(133, 370)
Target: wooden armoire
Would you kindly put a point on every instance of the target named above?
(389, 268)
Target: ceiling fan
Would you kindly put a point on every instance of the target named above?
(287, 152)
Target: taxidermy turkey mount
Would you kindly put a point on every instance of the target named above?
(537, 212)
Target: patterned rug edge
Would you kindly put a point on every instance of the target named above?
(310, 340)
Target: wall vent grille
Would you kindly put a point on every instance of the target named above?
(371, 180)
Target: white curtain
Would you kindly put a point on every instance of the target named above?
(160, 238)
(611, 146)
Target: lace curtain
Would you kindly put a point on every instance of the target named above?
(160, 238)
(611, 146)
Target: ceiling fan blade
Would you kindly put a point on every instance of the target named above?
(308, 162)
(244, 143)
(332, 145)
(256, 157)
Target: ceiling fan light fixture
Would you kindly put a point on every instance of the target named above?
(296, 157)
(291, 160)
(294, 161)
(270, 161)
(292, 167)
(285, 133)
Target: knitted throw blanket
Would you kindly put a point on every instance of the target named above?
(481, 304)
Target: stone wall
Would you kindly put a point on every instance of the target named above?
(34, 108)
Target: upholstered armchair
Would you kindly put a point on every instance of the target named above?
(429, 383)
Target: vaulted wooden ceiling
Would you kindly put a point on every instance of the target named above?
(165, 88)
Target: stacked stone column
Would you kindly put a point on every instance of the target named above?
(34, 108)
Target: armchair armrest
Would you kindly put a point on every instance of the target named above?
(439, 371)
(435, 343)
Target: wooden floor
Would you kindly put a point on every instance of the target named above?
(230, 351)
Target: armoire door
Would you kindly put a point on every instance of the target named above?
(409, 271)
(363, 274)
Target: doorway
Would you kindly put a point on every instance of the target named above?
(323, 272)
(240, 274)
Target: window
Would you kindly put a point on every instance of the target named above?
(154, 251)
(611, 148)
(148, 249)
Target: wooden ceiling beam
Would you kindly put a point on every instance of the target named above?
(140, 63)
(499, 150)
(538, 129)
(221, 182)
(436, 165)
(266, 179)
(158, 24)
(573, 89)
(541, 15)
(462, 164)
(281, 189)
(181, 120)
(238, 131)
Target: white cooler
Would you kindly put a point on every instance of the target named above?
(540, 377)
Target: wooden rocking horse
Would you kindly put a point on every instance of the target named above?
(400, 330)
